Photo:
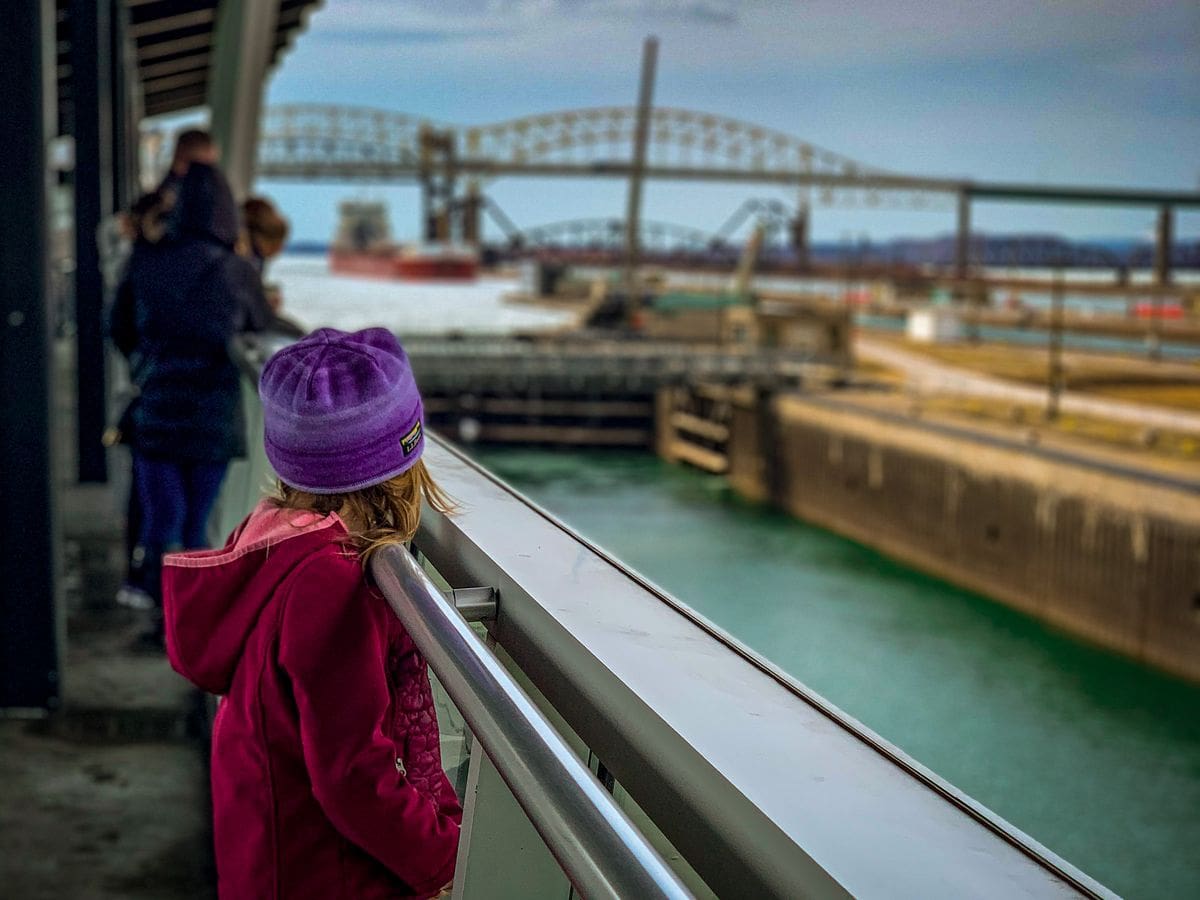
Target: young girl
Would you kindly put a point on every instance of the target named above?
(326, 772)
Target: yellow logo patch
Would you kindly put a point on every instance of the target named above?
(409, 441)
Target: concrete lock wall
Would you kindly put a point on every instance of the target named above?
(1110, 559)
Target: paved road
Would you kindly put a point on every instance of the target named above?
(928, 376)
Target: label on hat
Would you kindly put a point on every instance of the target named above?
(409, 441)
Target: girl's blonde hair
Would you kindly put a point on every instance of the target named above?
(382, 515)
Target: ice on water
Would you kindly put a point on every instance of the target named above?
(316, 298)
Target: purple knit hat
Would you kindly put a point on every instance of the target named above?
(341, 411)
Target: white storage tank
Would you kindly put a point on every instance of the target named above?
(934, 325)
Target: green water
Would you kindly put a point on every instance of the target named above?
(1094, 756)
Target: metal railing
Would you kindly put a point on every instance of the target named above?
(598, 848)
(760, 785)
(747, 782)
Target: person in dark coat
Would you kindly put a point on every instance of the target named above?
(187, 296)
(264, 232)
(152, 219)
(145, 222)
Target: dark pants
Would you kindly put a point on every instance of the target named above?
(175, 499)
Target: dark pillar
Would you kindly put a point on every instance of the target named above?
(93, 128)
(1162, 246)
(962, 252)
(428, 226)
(799, 226)
(28, 633)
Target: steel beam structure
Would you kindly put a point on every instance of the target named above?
(313, 141)
(438, 178)
(28, 565)
(92, 127)
(401, 170)
(633, 209)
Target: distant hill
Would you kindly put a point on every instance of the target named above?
(1006, 249)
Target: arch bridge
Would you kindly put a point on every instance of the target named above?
(308, 141)
(330, 142)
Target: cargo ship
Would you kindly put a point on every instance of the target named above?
(363, 247)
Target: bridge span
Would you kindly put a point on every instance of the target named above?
(341, 143)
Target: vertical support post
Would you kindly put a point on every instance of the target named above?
(429, 231)
(93, 127)
(633, 209)
(1164, 238)
(1054, 369)
(962, 251)
(28, 564)
(244, 40)
(1162, 246)
(126, 110)
(438, 172)
(470, 215)
(770, 446)
(800, 231)
(425, 176)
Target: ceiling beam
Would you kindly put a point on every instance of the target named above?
(170, 82)
(187, 63)
(159, 49)
(171, 23)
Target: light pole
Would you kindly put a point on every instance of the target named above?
(1055, 367)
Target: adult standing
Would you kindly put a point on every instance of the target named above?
(190, 294)
(153, 218)
(191, 146)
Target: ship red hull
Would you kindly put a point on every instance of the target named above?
(374, 265)
(1148, 309)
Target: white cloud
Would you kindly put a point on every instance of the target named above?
(770, 33)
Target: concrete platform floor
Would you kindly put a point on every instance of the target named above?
(108, 797)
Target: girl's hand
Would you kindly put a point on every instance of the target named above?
(444, 892)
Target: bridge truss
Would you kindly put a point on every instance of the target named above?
(323, 142)
(308, 141)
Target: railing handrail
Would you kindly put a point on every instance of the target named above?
(738, 800)
(600, 850)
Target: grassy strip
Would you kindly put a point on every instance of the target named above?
(1130, 379)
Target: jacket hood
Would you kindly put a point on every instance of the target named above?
(205, 206)
(213, 599)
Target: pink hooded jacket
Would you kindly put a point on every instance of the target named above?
(326, 770)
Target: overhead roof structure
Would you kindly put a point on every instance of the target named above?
(173, 44)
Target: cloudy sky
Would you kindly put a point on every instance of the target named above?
(1061, 91)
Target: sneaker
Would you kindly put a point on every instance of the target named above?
(134, 597)
(153, 638)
